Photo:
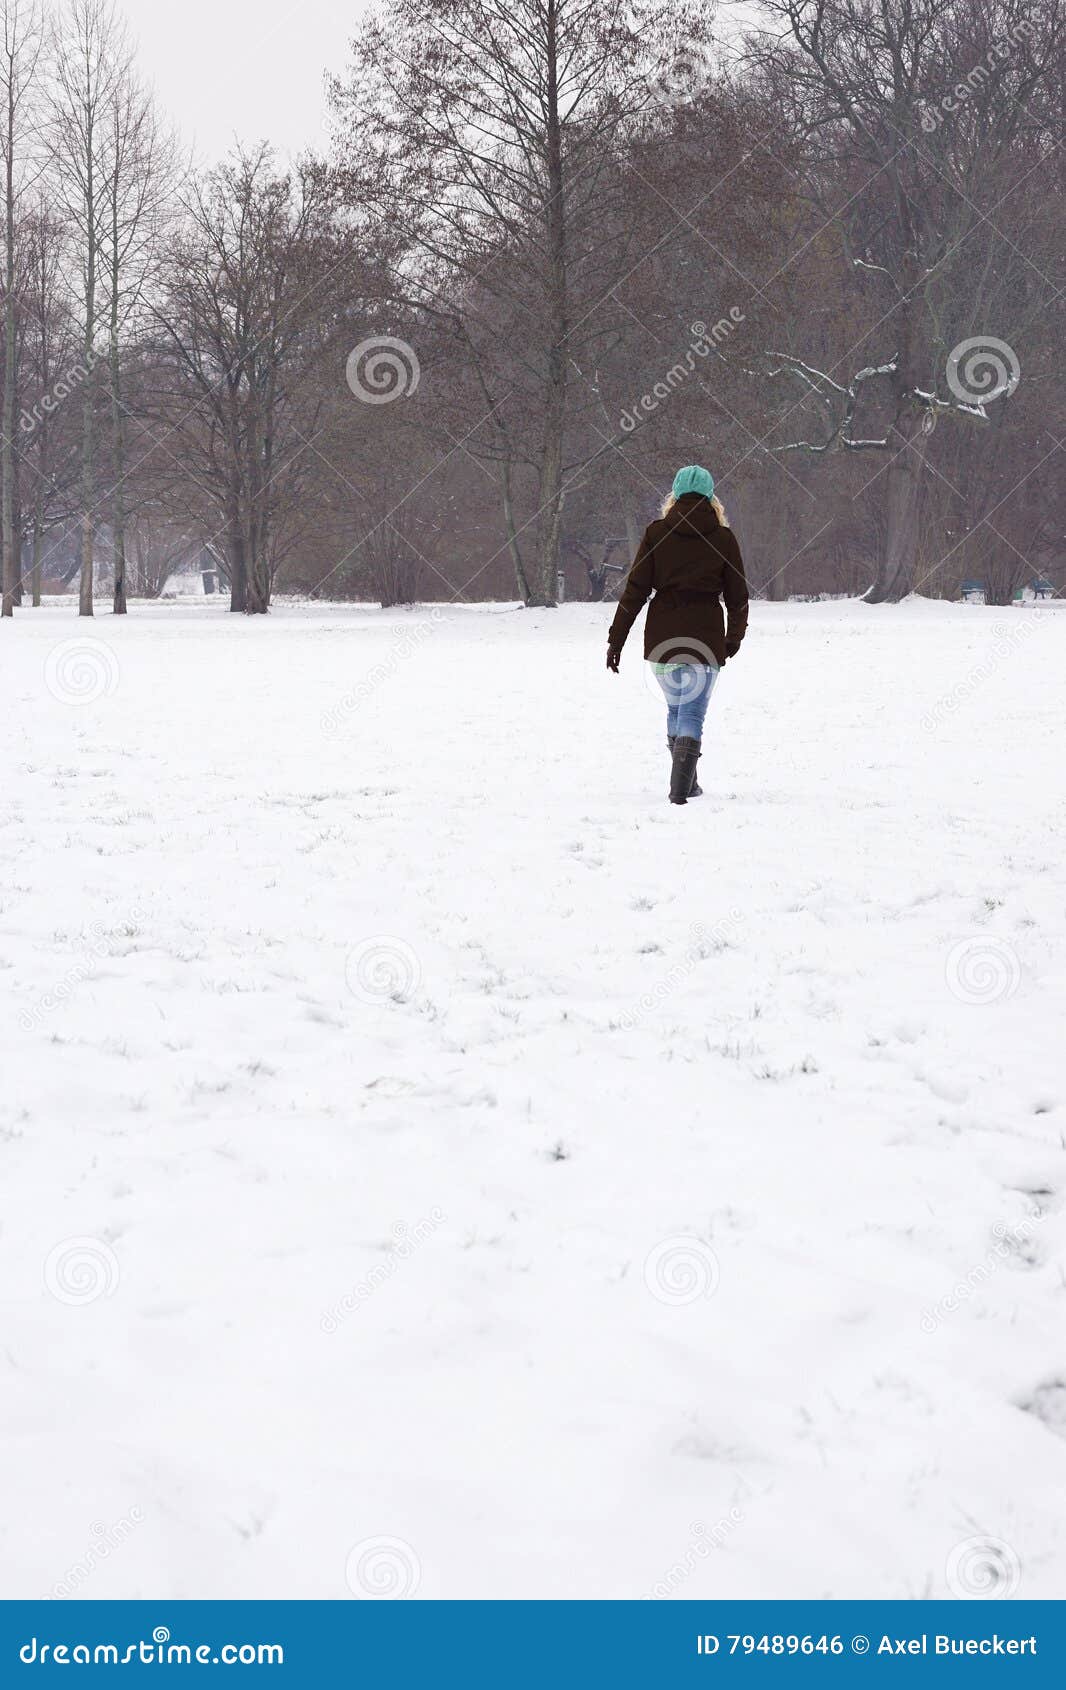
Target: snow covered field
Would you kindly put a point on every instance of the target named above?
(433, 1163)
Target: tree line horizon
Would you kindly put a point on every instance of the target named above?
(553, 250)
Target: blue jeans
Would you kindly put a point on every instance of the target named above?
(687, 688)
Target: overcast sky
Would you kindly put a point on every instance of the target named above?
(248, 67)
(255, 68)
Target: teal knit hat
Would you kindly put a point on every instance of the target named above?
(693, 479)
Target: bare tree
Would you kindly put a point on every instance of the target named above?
(92, 62)
(138, 174)
(875, 90)
(156, 547)
(21, 42)
(498, 124)
(49, 358)
(606, 253)
(251, 298)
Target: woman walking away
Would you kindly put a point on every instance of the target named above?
(690, 560)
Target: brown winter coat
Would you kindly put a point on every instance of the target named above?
(692, 563)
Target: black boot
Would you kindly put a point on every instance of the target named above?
(683, 769)
(696, 790)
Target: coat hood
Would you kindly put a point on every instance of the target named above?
(693, 513)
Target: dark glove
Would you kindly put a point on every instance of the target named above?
(732, 647)
(614, 654)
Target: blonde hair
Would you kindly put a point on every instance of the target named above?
(719, 509)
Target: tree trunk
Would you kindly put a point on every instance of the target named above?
(895, 575)
(1000, 595)
(903, 478)
(783, 547)
(634, 535)
(16, 517)
(7, 469)
(257, 590)
(257, 597)
(524, 590)
(37, 538)
(551, 463)
(551, 483)
(238, 589)
(118, 429)
(85, 588)
(238, 569)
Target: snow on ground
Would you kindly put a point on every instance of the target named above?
(430, 1161)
